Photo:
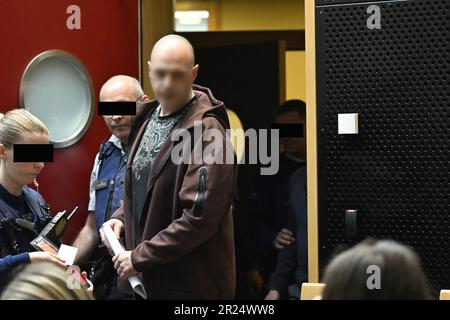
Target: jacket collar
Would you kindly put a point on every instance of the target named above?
(204, 105)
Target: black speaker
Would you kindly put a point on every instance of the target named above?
(383, 129)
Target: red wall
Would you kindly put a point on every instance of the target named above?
(107, 44)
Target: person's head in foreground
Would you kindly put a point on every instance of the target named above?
(372, 270)
(44, 281)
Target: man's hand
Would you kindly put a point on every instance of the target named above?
(41, 256)
(123, 265)
(273, 295)
(283, 238)
(116, 226)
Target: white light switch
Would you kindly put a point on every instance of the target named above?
(348, 123)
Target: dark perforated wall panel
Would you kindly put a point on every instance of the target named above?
(346, 2)
(395, 172)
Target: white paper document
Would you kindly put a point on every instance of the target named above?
(67, 253)
(117, 248)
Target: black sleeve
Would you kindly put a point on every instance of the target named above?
(284, 274)
(262, 208)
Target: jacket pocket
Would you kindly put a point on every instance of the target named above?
(101, 184)
(201, 191)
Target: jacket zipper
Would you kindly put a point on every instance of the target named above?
(112, 186)
(110, 198)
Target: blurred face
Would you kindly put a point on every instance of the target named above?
(172, 80)
(292, 145)
(22, 173)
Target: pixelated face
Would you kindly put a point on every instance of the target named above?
(172, 79)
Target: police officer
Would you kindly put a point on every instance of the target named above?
(107, 183)
(23, 211)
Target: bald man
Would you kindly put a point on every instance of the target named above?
(176, 216)
(106, 185)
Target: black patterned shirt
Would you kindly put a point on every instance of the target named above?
(156, 133)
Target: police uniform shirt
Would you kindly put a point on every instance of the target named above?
(94, 174)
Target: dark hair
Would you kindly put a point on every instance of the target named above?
(292, 105)
(401, 275)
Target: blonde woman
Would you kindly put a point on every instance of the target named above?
(17, 200)
(44, 281)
